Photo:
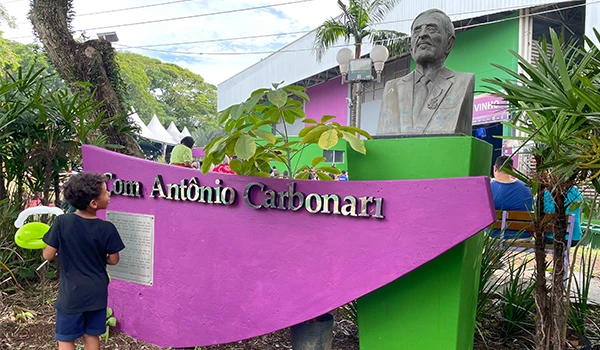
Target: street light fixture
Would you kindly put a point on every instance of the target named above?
(111, 37)
(360, 70)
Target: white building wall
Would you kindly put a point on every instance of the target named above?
(592, 19)
(296, 61)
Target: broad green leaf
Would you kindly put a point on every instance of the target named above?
(310, 121)
(353, 129)
(301, 94)
(301, 175)
(109, 312)
(276, 85)
(237, 111)
(236, 166)
(289, 117)
(245, 147)
(225, 114)
(317, 160)
(328, 139)
(357, 144)
(111, 321)
(252, 101)
(265, 135)
(323, 176)
(297, 112)
(306, 130)
(254, 119)
(326, 118)
(206, 163)
(277, 97)
(314, 135)
(330, 169)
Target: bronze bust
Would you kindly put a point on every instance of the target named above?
(432, 99)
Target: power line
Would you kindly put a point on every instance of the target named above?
(220, 40)
(187, 17)
(10, 2)
(145, 47)
(122, 9)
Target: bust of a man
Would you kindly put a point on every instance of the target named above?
(432, 99)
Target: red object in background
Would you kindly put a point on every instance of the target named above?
(223, 169)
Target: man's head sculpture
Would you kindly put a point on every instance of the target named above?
(432, 99)
(432, 37)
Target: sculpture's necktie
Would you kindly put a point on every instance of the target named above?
(420, 95)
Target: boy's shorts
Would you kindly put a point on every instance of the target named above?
(70, 327)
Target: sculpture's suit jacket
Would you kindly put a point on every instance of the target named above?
(447, 109)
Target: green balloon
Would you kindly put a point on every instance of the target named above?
(30, 235)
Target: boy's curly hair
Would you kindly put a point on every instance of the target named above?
(82, 188)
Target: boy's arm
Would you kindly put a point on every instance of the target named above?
(49, 252)
(112, 259)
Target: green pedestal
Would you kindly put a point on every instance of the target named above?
(432, 307)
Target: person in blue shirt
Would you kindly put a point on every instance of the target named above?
(343, 177)
(85, 245)
(509, 194)
(573, 202)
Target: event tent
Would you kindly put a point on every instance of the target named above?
(144, 130)
(185, 132)
(159, 130)
(172, 129)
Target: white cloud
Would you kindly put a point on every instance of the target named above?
(279, 19)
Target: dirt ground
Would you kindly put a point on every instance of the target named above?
(38, 332)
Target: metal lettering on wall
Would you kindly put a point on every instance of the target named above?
(137, 259)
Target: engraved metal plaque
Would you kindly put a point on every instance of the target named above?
(137, 259)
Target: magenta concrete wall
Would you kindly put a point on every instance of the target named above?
(328, 98)
(223, 274)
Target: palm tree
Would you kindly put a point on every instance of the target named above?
(357, 22)
(556, 106)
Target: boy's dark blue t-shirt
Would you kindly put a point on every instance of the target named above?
(83, 245)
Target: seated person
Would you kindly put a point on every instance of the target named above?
(509, 194)
(573, 203)
(181, 155)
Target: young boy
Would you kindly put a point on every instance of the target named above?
(85, 244)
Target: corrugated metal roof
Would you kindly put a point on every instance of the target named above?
(296, 61)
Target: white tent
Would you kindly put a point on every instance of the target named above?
(161, 133)
(185, 132)
(144, 131)
(172, 129)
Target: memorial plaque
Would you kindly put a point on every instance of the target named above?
(137, 259)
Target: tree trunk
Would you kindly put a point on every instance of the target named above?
(2, 180)
(57, 201)
(92, 62)
(557, 302)
(542, 321)
(47, 181)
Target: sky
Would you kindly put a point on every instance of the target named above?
(285, 18)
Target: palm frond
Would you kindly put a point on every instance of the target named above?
(327, 34)
(397, 43)
(378, 9)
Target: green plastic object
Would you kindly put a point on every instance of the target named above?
(432, 307)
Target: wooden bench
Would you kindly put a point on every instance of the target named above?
(522, 221)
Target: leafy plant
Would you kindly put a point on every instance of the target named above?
(555, 105)
(579, 306)
(248, 135)
(111, 321)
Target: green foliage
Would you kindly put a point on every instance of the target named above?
(358, 20)
(555, 105)
(171, 92)
(248, 135)
(579, 311)
(41, 131)
(111, 321)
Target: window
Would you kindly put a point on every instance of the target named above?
(373, 91)
(333, 156)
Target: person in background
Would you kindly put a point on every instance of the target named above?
(286, 175)
(272, 171)
(573, 202)
(224, 168)
(343, 176)
(181, 155)
(509, 193)
(85, 245)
